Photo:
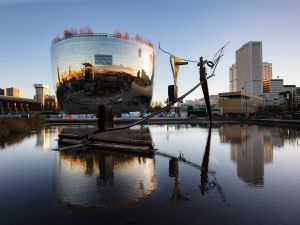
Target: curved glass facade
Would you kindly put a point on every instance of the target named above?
(105, 179)
(100, 69)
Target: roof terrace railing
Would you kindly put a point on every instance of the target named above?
(117, 36)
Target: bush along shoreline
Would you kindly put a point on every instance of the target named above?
(18, 128)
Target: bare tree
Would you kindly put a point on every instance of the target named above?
(149, 43)
(86, 30)
(69, 32)
(118, 34)
(56, 38)
(139, 38)
(126, 36)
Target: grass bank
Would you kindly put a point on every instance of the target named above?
(18, 127)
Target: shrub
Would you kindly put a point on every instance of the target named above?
(11, 127)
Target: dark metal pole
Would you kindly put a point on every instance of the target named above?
(204, 85)
(105, 118)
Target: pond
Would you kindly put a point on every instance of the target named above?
(232, 174)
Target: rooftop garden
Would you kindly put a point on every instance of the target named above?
(86, 30)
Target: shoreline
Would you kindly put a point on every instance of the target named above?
(16, 129)
(163, 121)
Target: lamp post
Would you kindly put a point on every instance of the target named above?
(245, 97)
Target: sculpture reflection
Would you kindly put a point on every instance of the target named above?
(208, 179)
(204, 166)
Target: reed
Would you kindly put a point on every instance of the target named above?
(18, 126)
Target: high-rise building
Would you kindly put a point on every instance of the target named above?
(267, 71)
(41, 93)
(232, 78)
(249, 68)
(272, 89)
(14, 92)
(273, 86)
(2, 91)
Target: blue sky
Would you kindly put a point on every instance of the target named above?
(189, 29)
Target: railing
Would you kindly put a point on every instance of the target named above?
(7, 117)
(58, 39)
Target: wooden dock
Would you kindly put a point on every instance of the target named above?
(98, 142)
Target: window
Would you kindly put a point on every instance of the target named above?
(103, 59)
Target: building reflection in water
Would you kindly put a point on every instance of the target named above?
(106, 168)
(43, 136)
(177, 195)
(105, 179)
(251, 148)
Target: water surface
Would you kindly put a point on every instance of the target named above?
(233, 175)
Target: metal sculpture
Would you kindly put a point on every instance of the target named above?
(87, 137)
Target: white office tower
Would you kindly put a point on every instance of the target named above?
(232, 78)
(249, 68)
(267, 71)
(41, 93)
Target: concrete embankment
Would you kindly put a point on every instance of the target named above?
(276, 122)
(128, 121)
(161, 121)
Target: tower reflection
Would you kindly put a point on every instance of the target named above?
(177, 196)
(43, 136)
(251, 148)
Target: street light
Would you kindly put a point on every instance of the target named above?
(246, 105)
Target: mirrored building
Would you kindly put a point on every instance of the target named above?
(107, 179)
(102, 69)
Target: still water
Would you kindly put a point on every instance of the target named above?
(249, 175)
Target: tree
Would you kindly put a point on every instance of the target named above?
(126, 36)
(190, 108)
(56, 38)
(86, 30)
(149, 43)
(154, 106)
(139, 38)
(69, 32)
(118, 34)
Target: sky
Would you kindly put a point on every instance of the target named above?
(189, 29)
